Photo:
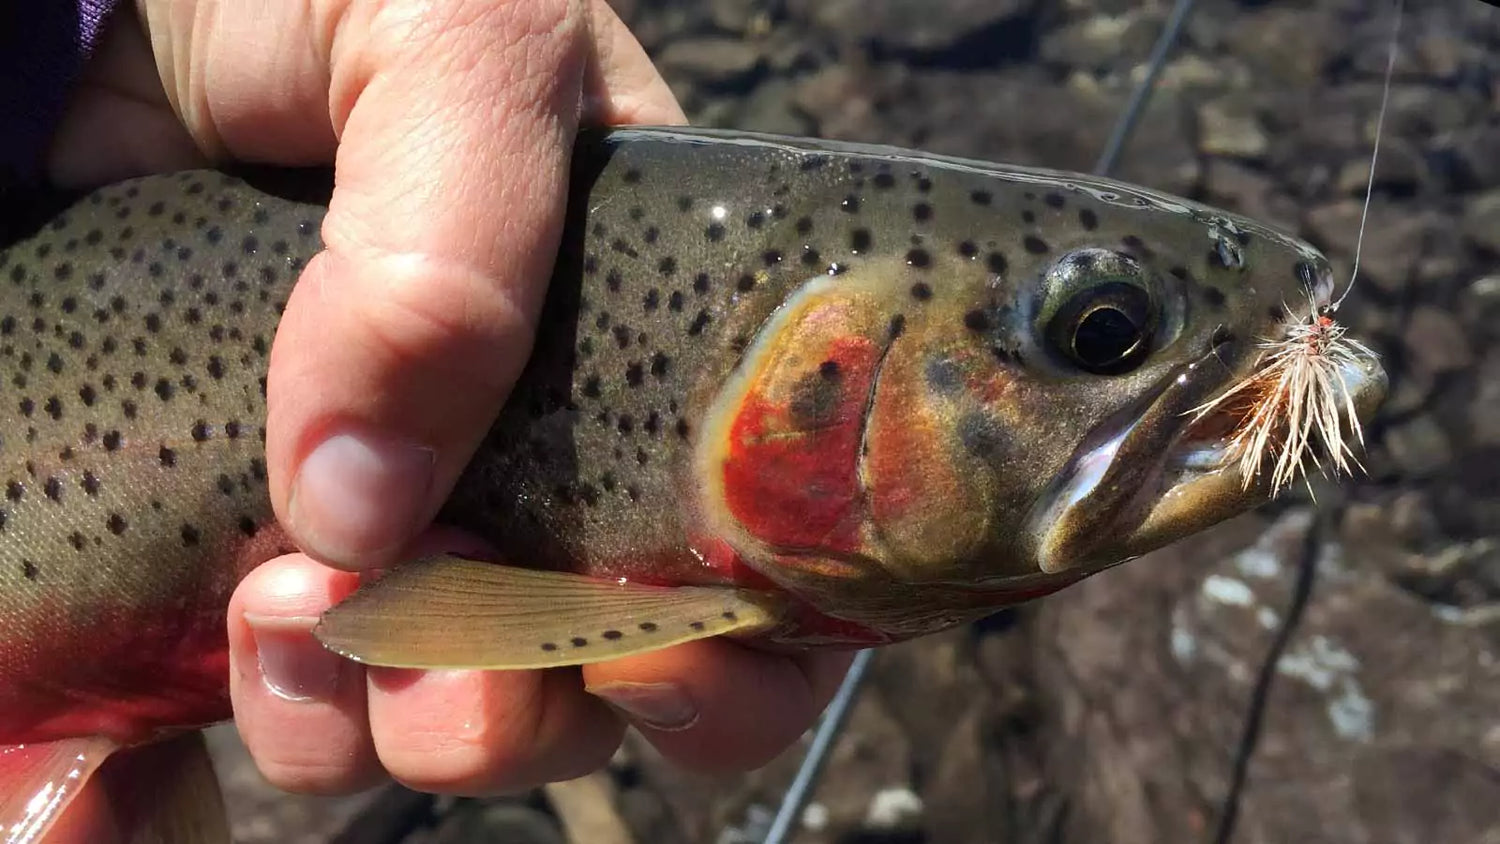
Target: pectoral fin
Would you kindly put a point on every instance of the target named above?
(449, 612)
(167, 793)
(39, 781)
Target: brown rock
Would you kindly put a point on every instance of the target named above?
(710, 60)
(1380, 737)
(1420, 447)
(260, 813)
(1484, 412)
(1481, 222)
(1435, 341)
(1230, 127)
(926, 25)
(1394, 240)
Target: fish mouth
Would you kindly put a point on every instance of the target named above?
(1156, 472)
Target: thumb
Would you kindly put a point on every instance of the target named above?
(403, 338)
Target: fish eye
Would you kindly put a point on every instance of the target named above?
(1099, 311)
(1105, 330)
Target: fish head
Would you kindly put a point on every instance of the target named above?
(1001, 402)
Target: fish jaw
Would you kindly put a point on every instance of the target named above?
(1157, 473)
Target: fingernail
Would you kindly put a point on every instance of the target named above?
(354, 498)
(293, 664)
(661, 706)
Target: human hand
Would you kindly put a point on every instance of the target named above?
(449, 123)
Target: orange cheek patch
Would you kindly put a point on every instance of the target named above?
(923, 497)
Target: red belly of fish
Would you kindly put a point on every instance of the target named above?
(136, 670)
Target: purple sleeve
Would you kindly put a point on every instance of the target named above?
(43, 46)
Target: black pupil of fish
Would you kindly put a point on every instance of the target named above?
(1104, 336)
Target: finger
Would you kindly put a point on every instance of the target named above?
(623, 86)
(479, 733)
(402, 339)
(718, 706)
(299, 707)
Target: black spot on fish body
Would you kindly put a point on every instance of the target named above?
(29, 570)
(896, 327)
(982, 436)
(700, 322)
(1035, 245)
(1028, 216)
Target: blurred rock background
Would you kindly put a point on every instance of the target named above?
(1299, 674)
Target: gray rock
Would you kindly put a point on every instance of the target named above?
(1289, 45)
(1102, 41)
(1435, 341)
(840, 99)
(1484, 412)
(510, 821)
(770, 109)
(1476, 148)
(1251, 192)
(752, 17)
(1409, 391)
(1231, 128)
(1481, 221)
(1380, 724)
(1395, 240)
(260, 813)
(1420, 447)
(910, 24)
(712, 61)
(1147, 670)
(1400, 166)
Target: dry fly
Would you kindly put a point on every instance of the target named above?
(1296, 403)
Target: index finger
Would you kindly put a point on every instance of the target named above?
(403, 338)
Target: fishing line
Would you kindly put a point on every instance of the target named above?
(1385, 98)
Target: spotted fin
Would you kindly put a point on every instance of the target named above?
(449, 612)
(39, 781)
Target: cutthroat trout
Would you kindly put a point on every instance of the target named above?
(801, 392)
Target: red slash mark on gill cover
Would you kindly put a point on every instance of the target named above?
(791, 476)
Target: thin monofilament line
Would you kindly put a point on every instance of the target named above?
(1385, 96)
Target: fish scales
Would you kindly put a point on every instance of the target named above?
(883, 300)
